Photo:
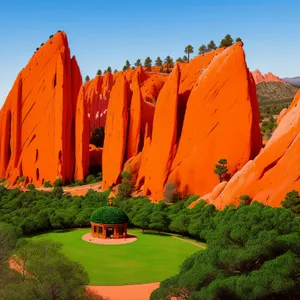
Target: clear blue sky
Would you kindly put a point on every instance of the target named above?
(103, 33)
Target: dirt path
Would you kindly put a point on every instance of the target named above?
(125, 292)
(190, 242)
(77, 190)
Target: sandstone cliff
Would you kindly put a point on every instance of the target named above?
(38, 117)
(198, 118)
(275, 171)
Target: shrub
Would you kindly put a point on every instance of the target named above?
(77, 183)
(246, 199)
(21, 179)
(31, 186)
(57, 191)
(58, 182)
(90, 179)
(47, 184)
(126, 188)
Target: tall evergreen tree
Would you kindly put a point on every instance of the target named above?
(127, 65)
(227, 41)
(211, 46)
(202, 49)
(148, 62)
(189, 49)
(180, 59)
(158, 62)
(138, 63)
(169, 62)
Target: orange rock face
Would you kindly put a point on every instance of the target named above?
(97, 97)
(269, 77)
(82, 154)
(221, 121)
(115, 132)
(38, 118)
(275, 171)
(163, 137)
(135, 115)
(152, 86)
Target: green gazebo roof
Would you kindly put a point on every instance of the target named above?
(109, 215)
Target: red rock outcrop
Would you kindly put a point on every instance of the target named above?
(95, 155)
(134, 128)
(163, 137)
(221, 121)
(151, 87)
(115, 132)
(275, 171)
(269, 77)
(38, 117)
(82, 155)
(97, 97)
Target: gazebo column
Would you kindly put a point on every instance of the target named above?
(104, 232)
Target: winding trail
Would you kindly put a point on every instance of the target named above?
(190, 242)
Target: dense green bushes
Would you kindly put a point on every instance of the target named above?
(37, 211)
(253, 253)
(253, 250)
(46, 272)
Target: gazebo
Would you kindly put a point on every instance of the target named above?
(109, 222)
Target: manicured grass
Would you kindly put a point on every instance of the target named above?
(151, 258)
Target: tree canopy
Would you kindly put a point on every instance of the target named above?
(158, 62)
(189, 49)
(148, 62)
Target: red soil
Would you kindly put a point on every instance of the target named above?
(125, 292)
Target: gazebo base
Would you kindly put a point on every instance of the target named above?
(89, 238)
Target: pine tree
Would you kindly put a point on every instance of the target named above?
(158, 62)
(202, 49)
(189, 50)
(138, 63)
(148, 62)
(211, 46)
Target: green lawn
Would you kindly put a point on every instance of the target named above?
(151, 258)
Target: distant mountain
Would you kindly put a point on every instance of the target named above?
(292, 80)
(269, 77)
(275, 91)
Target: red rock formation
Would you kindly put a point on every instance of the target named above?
(269, 77)
(221, 121)
(152, 86)
(275, 171)
(82, 155)
(95, 155)
(38, 117)
(135, 115)
(97, 97)
(115, 132)
(163, 137)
